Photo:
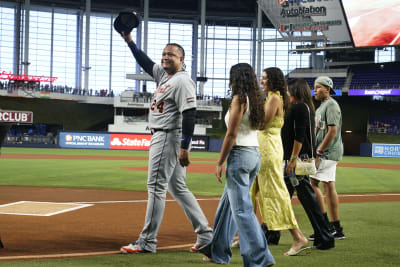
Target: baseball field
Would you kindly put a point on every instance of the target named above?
(61, 207)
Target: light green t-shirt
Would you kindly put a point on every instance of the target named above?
(329, 114)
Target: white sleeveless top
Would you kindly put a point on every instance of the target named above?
(246, 135)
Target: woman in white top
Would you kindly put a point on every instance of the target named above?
(240, 150)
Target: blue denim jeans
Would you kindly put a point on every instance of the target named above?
(235, 213)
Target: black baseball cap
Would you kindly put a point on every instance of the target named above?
(126, 22)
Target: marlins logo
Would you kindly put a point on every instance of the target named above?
(282, 2)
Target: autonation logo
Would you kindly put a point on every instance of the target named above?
(303, 11)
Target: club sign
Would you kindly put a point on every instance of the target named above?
(12, 116)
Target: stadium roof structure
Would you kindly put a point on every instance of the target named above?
(218, 11)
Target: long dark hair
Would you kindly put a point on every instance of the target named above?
(301, 91)
(277, 83)
(244, 83)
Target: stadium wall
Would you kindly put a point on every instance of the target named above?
(70, 114)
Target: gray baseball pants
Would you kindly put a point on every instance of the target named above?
(165, 173)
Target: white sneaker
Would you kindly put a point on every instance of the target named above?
(132, 248)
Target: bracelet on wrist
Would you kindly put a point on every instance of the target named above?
(319, 153)
(293, 158)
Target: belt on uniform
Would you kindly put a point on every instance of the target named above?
(154, 130)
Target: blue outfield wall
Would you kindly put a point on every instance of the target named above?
(366, 150)
(380, 150)
(126, 141)
(215, 145)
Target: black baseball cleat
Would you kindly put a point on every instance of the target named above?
(339, 235)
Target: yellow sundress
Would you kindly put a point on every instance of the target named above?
(269, 187)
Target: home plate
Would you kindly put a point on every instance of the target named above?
(34, 208)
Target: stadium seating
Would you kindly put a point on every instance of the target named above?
(371, 76)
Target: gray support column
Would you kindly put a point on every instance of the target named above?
(145, 25)
(80, 67)
(145, 33)
(26, 45)
(259, 40)
(195, 48)
(52, 47)
(254, 47)
(78, 53)
(202, 40)
(137, 66)
(111, 41)
(17, 39)
(87, 46)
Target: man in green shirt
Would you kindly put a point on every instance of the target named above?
(328, 123)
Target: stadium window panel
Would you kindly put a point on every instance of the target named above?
(246, 33)
(246, 51)
(298, 60)
(99, 52)
(269, 34)
(387, 54)
(158, 37)
(219, 32)
(276, 54)
(232, 32)
(182, 34)
(225, 46)
(65, 47)
(39, 43)
(215, 87)
(7, 38)
(122, 63)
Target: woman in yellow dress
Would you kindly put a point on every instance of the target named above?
(269, 187)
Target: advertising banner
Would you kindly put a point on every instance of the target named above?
(386, 150)
(84, 140)
(13, 116)
(291, 16)
(130, 141)
(377, 92)
(200, 143)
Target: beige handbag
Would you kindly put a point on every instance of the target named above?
(306, 166)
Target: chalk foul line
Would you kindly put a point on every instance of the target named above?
(217, 199)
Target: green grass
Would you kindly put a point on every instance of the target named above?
(372, 239)
(108, 174)
(369, 160)
(371, 229)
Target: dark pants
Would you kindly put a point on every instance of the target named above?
(306, 195)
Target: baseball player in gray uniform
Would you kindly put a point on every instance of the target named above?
(171, 120)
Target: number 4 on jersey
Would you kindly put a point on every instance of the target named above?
(159, 106)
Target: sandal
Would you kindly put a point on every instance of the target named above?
(293, 252)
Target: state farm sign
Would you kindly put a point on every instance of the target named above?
(16, 116)
(130, 141)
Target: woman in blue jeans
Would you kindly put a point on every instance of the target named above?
(240, 150)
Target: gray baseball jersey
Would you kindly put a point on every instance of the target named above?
(174, 95)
